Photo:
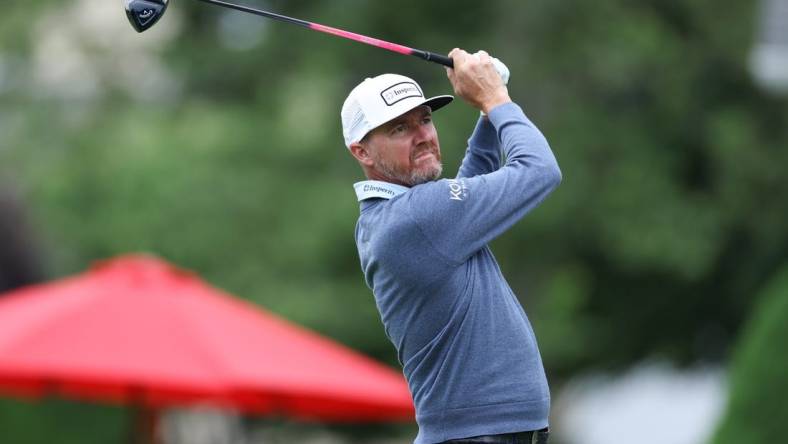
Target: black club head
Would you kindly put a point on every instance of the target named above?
(143, 14)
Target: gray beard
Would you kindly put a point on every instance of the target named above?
(413, 178)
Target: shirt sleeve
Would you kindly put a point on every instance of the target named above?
(483, 154)
(460, 216)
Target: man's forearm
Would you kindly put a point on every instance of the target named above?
(483, 154)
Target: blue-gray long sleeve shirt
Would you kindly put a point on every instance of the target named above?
(465, 343)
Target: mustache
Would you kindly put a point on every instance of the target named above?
(431, 148)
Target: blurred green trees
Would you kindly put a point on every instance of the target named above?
(213, 140)
(63, 421)
(757, 411)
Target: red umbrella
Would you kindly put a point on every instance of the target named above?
(138, 330)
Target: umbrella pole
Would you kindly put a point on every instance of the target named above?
(145, 425)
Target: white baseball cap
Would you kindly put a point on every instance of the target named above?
(380, 99)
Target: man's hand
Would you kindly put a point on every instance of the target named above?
(475, 79)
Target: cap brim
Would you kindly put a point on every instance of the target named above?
(434, 103)
(438, 102)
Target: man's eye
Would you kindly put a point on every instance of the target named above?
(398, 129)
(427, 119)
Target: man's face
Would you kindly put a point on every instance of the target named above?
(405, 150)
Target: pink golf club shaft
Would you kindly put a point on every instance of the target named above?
(425, 55)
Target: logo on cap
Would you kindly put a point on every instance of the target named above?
(399, 92)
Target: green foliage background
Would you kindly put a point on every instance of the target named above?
(670, 217)
(757, 410)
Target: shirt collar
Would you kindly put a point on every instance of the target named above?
(376, 189)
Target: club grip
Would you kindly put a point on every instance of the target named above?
(439, 58)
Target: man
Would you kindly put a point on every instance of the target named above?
(466, 346)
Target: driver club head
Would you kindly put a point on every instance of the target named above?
(143, 14)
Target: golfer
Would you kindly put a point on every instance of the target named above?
(466, 346)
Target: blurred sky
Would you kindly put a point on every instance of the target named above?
(653, 403)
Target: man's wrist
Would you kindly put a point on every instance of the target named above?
(487, 107)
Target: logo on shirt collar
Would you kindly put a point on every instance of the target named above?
(371, 189)
(367, 188)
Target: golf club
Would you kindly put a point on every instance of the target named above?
(143, 14)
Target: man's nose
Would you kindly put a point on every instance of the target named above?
(422, 133)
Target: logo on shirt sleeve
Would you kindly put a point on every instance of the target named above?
(457, 189)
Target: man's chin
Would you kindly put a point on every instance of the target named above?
(426, 175)
(415, 176)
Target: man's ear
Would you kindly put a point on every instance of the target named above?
(361, 152)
